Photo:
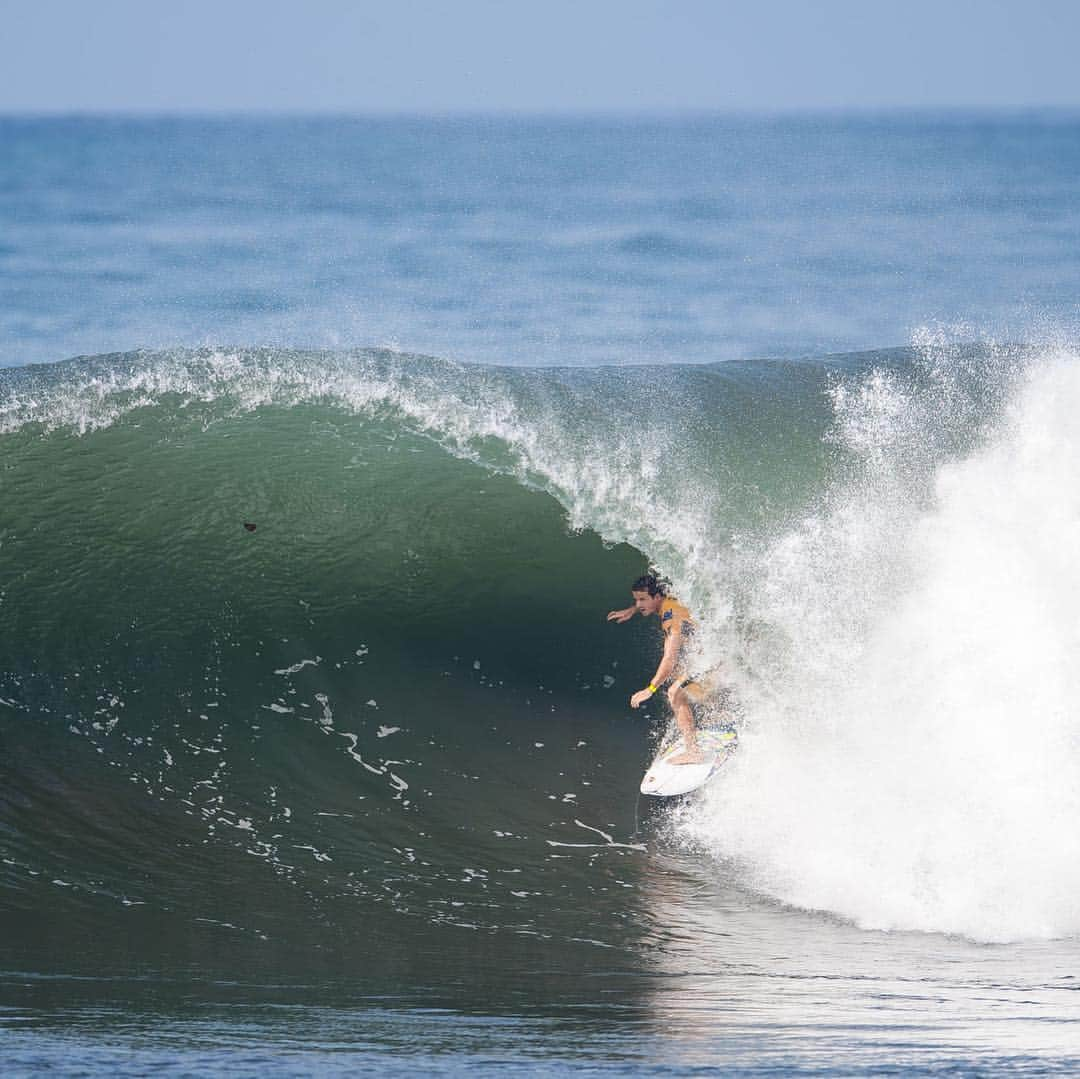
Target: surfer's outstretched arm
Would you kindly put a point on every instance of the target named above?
(623, 615)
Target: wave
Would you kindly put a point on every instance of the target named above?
(339, 618)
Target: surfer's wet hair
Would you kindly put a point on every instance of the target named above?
(649, 583)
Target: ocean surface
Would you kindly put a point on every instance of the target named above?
(325, 447)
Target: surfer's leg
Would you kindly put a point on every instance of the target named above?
(684, 716)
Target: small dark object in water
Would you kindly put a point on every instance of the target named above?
(249, 526)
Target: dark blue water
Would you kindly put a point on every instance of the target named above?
(356, 788)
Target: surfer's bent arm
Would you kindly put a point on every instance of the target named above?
(623, 615)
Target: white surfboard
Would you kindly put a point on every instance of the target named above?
(666, 780)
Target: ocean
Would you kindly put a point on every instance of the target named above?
(327, 444)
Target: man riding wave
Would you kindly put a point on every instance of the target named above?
(685, 689)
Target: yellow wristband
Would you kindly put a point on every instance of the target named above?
(653, 688)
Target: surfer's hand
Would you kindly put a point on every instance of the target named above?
(639, 698)
(622, 616)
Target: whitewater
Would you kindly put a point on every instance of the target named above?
(915, 754)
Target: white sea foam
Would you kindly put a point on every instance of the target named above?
(913, 760)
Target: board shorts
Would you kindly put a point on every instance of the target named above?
(700, 687)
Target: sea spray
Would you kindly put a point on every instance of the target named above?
(914, 760)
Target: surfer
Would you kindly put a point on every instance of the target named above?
(651, 598)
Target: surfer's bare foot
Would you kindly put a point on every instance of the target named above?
(691, 756)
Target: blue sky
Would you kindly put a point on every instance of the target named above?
(547, 55)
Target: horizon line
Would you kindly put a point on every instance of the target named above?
(510, 113)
